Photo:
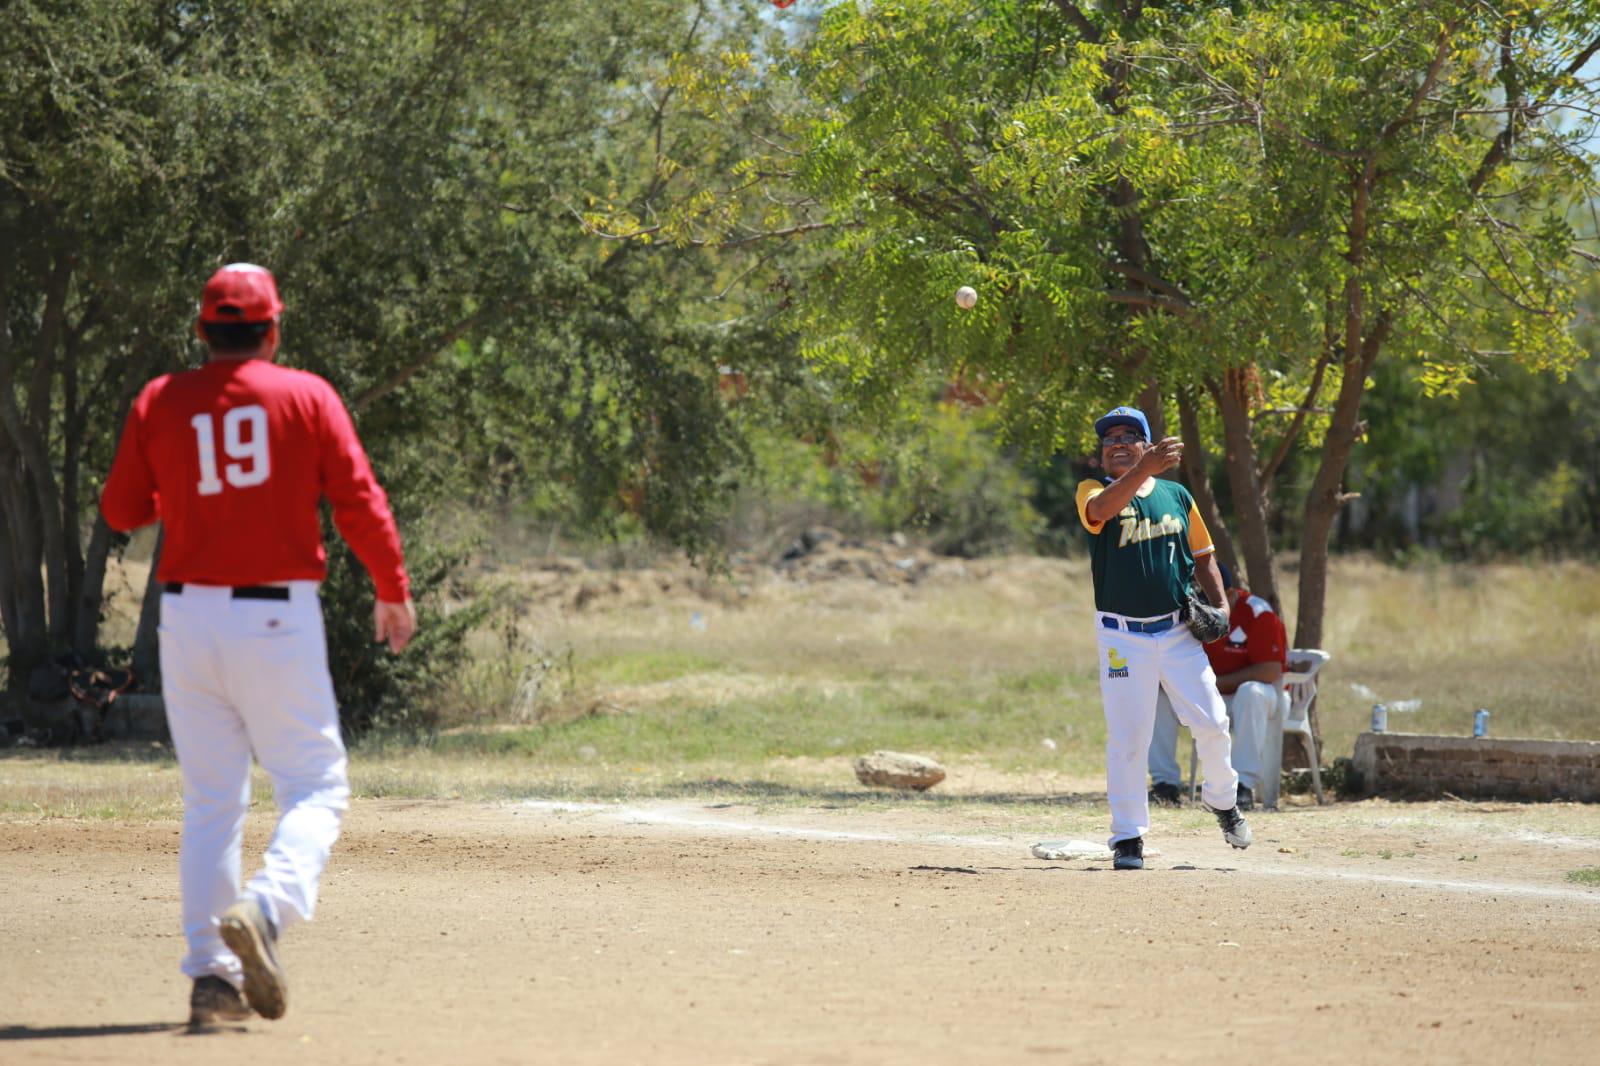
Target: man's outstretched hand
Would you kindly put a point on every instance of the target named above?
(394, 623)
(1161, 456)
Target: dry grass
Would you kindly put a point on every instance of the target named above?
(127, 781)
(778, 684)
(1521, 640)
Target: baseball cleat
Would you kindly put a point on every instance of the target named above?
(1166, 795)
(1129, 854)
(1246, 799)
(1235, 830)
(214, 1000)
(250, 936)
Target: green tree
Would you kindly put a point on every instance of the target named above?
(1053, 157)
(1255, 202)
(1251, 202)
(415, 175)
(1439, 149)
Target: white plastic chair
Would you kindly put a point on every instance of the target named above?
(1296, 691)
(1299, 690)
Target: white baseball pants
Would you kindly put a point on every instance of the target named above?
(1253, 710)
(1134, 667)
(238, 676)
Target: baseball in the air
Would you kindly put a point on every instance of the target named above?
(966, 297)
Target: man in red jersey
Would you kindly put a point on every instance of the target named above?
(234, 458)
(1249, 664)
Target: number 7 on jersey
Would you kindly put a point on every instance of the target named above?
(248, 446)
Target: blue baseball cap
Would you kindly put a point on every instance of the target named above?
(1122, 416)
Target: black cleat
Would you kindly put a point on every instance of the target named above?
(1165, 795)
(1128, 854)
(1234, 828)
(214, 1000)
(1247, 799)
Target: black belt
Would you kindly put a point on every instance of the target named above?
(240, 592)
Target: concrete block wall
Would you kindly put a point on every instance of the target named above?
(1419, 764)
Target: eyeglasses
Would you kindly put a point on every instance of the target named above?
(1123, 438)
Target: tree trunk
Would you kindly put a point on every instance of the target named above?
(30, 435)
(8, 589)
(28, 639)
(1154, 411)
(146, 641)
(86, 626)
(1326, 497)
(1195, 467)
(92, 567)
(1249, 502)
(72, 426)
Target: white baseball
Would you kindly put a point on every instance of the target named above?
(966, 297)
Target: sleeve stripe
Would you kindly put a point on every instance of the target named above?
(1199, 536)
(1088, 490)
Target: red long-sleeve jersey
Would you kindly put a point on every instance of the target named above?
(233, 458)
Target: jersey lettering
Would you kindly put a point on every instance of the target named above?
(1139, 530)
(244, 438)
(206, 443)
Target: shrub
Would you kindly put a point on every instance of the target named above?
(944, 477)
(375, 688)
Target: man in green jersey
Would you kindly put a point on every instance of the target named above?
(1148, 545)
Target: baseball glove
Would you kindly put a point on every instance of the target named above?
(1206, 622)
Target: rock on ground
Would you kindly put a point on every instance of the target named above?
(895, 769)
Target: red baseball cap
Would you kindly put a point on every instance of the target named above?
(240, 292)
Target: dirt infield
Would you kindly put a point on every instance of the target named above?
(705, 932)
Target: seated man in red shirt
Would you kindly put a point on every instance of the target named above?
(1249, 663)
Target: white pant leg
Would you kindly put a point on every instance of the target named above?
(1163, 762)
(214, 759)
(1251, 707)
(1129, 676)
(1272, 753)
(1187, 677)
(277, 661)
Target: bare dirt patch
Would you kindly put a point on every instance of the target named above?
(709, 932)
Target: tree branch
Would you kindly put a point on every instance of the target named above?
(1314, 145)
(1508, 134)
(47, 341)
(1079, 20)
(701, 242)
(1153, 300)
(1441, 52)
(432, 352)
(1149, 280)
(1270, 471)
(1373, 342)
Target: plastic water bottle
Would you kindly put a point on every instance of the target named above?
(1380, 718)
(1480, 724)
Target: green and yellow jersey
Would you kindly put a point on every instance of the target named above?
(1143, 559)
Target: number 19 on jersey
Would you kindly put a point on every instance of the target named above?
(244, 439)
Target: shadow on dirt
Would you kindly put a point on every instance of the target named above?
(66, 1032)
(826, 798)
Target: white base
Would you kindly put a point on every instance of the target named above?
(1057, 850)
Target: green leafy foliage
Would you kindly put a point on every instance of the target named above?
(943, 479)
(415, 175)
(1258, 203)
